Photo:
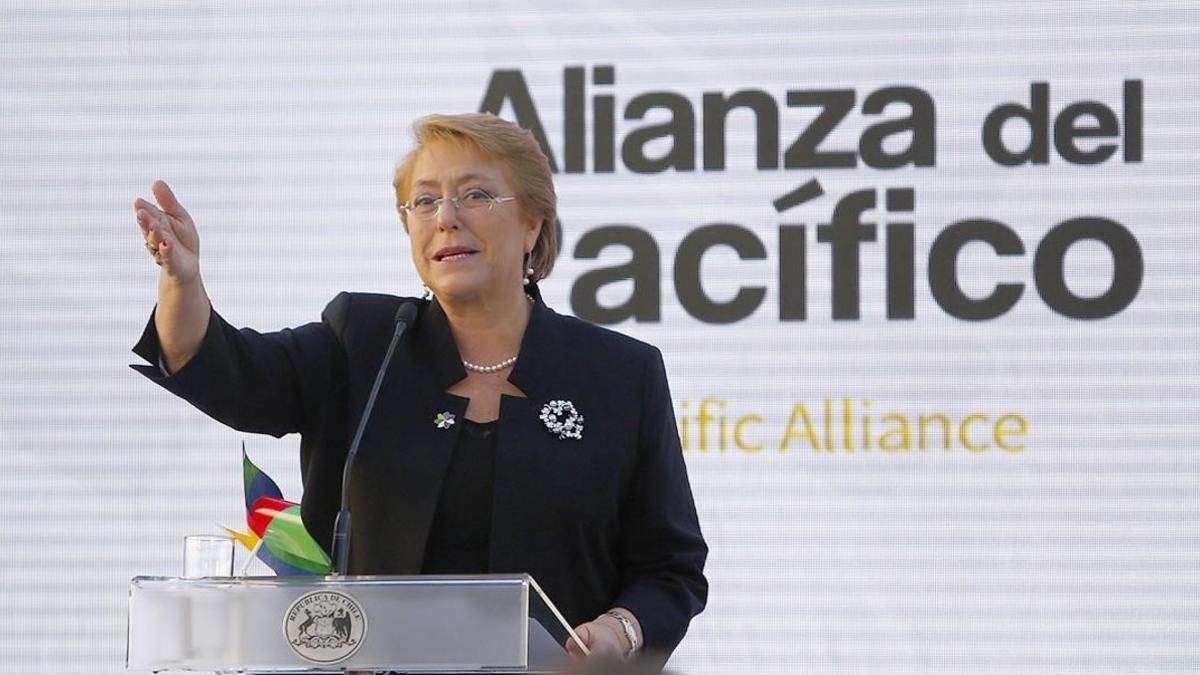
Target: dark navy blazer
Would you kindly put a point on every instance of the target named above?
(607, 520)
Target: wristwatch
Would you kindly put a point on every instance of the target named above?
(630, 631)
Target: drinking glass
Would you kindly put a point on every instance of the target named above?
(207, 555)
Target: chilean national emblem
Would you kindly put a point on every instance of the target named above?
(325, 627)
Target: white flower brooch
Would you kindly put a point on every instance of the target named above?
(444, 420)
(563, 420)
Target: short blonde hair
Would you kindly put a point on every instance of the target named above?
(519, 155)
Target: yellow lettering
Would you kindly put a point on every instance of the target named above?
(902, 432)
(702, 420)
(999, 432)
(829, 425)
(739, 427)
(866, 430)
(964, 433)
(847, 417)
(923, 420)
(800, 414)
(685, 435)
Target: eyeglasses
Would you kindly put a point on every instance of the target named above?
(425, 207)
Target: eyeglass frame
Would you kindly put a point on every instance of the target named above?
(410, 208)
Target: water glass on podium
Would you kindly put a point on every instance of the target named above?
(207, 556)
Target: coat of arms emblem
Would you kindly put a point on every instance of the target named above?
(324, 626)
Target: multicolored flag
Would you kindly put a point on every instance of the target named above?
(276, 531)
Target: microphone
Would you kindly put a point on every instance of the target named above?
(341, 526)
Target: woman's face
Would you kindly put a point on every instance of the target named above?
(466, 254)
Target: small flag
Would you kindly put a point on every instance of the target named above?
(287, 547)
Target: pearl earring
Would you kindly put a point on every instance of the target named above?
(528, 278)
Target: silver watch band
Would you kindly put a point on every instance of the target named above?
(630, 631)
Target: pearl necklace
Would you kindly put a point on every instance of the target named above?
(490, 369)
(499, 366)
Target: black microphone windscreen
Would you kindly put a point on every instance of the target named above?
(406, 313)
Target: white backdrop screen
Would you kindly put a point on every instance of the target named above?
(924, 274)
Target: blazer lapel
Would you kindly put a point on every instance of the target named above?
(541, 360)
(542, 354)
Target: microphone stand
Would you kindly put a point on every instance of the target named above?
(341, 526)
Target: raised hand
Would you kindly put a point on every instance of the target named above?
(170, 235)
(183, 310)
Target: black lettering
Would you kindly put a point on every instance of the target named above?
(573, 120)
(509, 85)
(645, 302)
(844, 233)
(900, 274)
(1068, 127)
(604, 122)
(943, 269)
(921, 123)
(766, 127)
(1132, 102)
(681, 129)
(793, 273)
(1050, 275)
(1036, 117)
(688, 284)
(803, 153)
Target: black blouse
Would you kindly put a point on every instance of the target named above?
(462, 524)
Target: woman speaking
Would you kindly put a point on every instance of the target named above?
(506, 438)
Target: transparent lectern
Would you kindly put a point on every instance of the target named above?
(413, 624)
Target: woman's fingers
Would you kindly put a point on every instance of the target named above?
(602, 641)
(183, 230)
(152, 240)
(155, 243)
(169, 235)
(160, 231)
(167, 256)
(141, 215)
(140, 204)
(150, 216)
(157, 233)
(584, 632)
(167, 201)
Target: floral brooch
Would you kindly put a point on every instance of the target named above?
(562, 419)
(444, 420)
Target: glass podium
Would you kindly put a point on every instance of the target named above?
(413, 624)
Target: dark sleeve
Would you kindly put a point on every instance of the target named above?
(269, 383)
(662, 548)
